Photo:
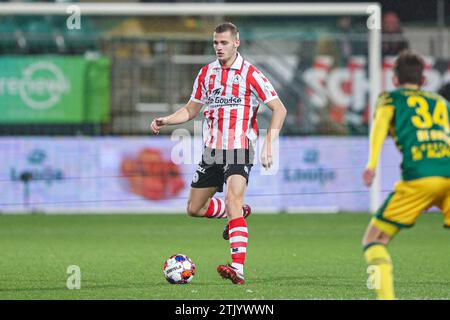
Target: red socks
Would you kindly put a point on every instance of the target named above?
(216, 209)
(238, 243)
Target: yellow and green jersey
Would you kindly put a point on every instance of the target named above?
(419, 123)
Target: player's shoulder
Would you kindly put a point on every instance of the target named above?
(435, 96)
(429, 95)
(248, 64)
(441, 97)
(390, 97)
(395, 93)
(251, 67)
(386, 98)
(209, 67)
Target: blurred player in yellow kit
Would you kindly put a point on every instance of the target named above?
(419, 123)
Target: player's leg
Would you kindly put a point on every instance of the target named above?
(375, 243)
(234, 198)
(202, 203)
(207, 180)
(241, 166)
(246, 211)
(400, 210)
(200, 200)
(443, 202)
(238, 234)
(446, 210)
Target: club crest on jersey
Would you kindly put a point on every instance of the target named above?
(237, 79)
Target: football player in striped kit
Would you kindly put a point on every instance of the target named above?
(231, 89)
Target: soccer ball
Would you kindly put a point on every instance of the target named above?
(179, 269)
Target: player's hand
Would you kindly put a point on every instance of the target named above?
(368, 176)
(266, 156)
(157, 124)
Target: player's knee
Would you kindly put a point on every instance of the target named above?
(374, 235)
(368, 238)
(191, 210)
(365, 241)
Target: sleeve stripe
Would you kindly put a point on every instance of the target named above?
(196, 100)
(258, 88)
(244, 141)
(201, 82)
(270, 98)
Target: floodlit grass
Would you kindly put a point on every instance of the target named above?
(289, 257)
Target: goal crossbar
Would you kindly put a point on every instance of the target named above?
(189, 9)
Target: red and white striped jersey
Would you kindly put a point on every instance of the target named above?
(232, 98)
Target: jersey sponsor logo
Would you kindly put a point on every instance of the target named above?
(216, 91)
(224, 101)
(216, 100)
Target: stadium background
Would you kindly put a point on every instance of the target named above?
(66, 137)
(76, 140)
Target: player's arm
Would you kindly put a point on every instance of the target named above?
(190, 110)
(265, 91)
(278, 115)
(185, 114)
(378, 133)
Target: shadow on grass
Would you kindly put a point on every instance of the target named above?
(84, 287)
(318, 280)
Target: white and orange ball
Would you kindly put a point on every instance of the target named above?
(179, 269)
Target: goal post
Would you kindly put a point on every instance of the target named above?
(370, 10)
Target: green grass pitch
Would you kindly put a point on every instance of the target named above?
(289, 257)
